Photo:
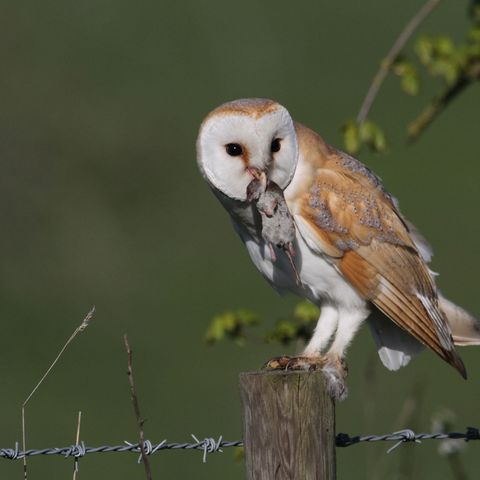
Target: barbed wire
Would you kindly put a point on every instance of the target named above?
(407, 435)
(210, 445)
(207, 445)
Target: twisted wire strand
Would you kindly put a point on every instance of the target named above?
(207, 445)
(402, 436)
(211, 445)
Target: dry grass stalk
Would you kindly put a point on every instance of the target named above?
(79, 329)
(77, 441)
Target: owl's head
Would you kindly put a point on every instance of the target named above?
(243, 139)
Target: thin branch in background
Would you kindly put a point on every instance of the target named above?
(412, 415)
(79, 329)
(434, 108)
(77, 441)
(450, 448)
(438, 104)
(370, 406)
(457, 467)
(409, 415)
(136, 409)
(391, 56)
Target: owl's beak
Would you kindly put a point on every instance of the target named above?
(260, 176)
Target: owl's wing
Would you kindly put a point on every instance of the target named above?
(344, 212)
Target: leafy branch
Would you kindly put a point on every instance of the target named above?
(234, 326)
(458, 66)
(359, 132)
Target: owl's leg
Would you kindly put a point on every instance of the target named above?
(326, 325)
(349, 322)
(311, 358)
(335, 367)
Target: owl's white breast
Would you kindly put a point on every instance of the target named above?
(320, 280)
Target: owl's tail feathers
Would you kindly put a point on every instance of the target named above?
(395, 346)
(465, 327)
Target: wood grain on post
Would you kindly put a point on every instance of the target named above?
(288, 426)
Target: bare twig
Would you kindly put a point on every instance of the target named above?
(77, 441)
(391, 56)
(434, 108)
(79, 329)
(136, 409)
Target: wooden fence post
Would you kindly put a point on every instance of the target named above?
(288, 426)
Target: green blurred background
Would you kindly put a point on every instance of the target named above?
(101, 203)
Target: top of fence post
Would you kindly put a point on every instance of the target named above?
(289, 426)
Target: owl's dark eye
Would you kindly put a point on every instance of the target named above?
(275, 146)
(233, 149)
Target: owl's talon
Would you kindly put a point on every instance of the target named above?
(295, 363)
(277, 363)
(333, 367)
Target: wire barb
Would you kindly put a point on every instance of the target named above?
(209, 445)
(12, 454)
(76, 451)
(147, 449)
(406, 436)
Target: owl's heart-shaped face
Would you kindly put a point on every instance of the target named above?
(246, 139)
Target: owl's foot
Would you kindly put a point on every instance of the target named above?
(285, 362)
(333, 367)
(335, 370)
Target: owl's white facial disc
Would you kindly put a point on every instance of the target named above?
(246, 135)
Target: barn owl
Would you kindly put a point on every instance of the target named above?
(341, 241)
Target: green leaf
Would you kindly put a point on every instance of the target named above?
(297, 327)
(368, 134)
(410, 84)
(474, 34)
(447, 69)
(306, 311)
(366, 131)
(230, 325)
(372, 135)
(351, 139)
(444, 46)
(424, 49)
(379, 141)
(408, 74)
(284, 332)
